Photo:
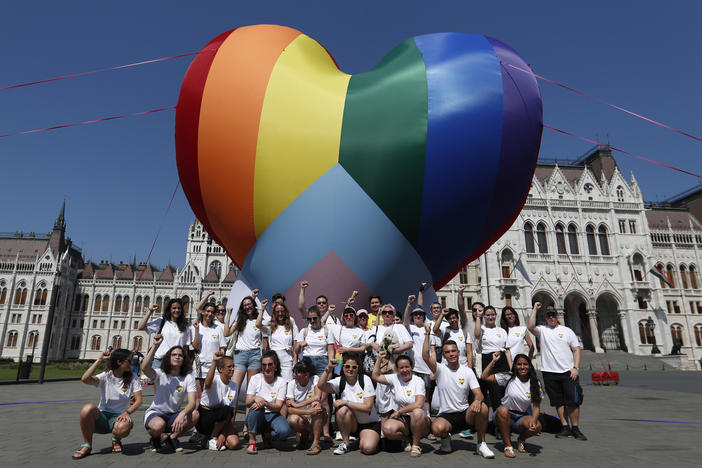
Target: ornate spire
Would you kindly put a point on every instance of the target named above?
(60, 223)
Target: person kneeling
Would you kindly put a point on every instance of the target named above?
(218, 406)
(173, 381)
(354, 404)
(265, 397)
(305, 412)
(521, 404)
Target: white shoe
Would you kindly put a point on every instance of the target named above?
(338, 436)
(446, 445)
(484, 451)
(212, 445)
(341, 449)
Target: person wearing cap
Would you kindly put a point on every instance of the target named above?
(362, 319)
(560, 362)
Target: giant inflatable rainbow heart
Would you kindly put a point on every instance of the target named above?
(373, 182)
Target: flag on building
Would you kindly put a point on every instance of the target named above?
(658, 273)
(519, 266)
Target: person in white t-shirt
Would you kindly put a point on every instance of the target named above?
(322, 304)
(305, 413)
(454, 384)
(492, 339)
(280, 335)
(346, 337)
(173, 326)
(217, 406)
(516, 333)
(521, 405)
(354, 404)
(560, 363)
(265, 397)
(312, 341)
(211, 339)
(409, 422)
(113, 414)
(452, 330)
(174, 383)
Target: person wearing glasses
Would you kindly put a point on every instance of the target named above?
(265, 397)
(354, 404)
(346, 337)
(173, 382)
(454, 383)
(217, 406)
(493, 339)
(560, 364)
(305, 413)
(362, 319)
(409, 421)
(322, 304)
(516, 333)
(417, 332)
(280, 336)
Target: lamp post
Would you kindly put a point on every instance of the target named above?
(652, 325)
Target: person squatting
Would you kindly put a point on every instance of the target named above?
(376, 378)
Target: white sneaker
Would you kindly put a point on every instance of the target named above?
(446, 445)
(484, 451)
(338, 436)
(341, 449)
(212, 444)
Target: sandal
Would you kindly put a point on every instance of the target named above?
(80, 453)
(521, 446)
(315, 449)
(509, 452)
(251, 448)
(416, 451)
(116, 445)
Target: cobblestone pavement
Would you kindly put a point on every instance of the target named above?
(635, 423)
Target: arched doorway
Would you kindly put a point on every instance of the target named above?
(546, 300)
(608, 322)
(575, 309)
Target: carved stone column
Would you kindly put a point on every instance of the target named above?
(592, 316)
(622, 330)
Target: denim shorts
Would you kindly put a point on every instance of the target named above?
(515, 417)
(319, 363)
(246, 359)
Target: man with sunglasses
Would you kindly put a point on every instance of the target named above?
(321, 302)
(560, 361)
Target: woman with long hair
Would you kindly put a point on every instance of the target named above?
(174, 383)
(211, 340)
(516, 333)
(280, 337)
(173, 326)
(521, 405)
(409, 420)
(265, 396)
(493, 339)
(354, 404)
(113, 414)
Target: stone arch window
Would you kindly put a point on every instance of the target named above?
(646, 333)
(573, 239)
(637, 267)
(698, 334)
(137, 343)
(147, 302)
(33, 339)
(541, 238)
(693, 277)
(604, 243)
(118, 303)
(506, 262)
(3, 292)
(21, 294)
(86, 301)
(41, 294)
(97, 305)
(105, 303)
(560, 239)
(620, 193)
(125, 304)
(12, 339)
(217, 267)
(137, 304)
(116, 342)
(95, 343)
(670, 274)
(186, 304)
(591, 244)
(529, 237)
(159, 303)
(683, 276)
(676, 332)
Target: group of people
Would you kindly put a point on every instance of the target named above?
(363, 376)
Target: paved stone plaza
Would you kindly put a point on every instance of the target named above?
(652, 419)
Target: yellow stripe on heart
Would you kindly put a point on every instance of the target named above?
(300, 128)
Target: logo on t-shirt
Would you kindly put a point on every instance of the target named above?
(230, 397)
(516, 334)
(214, 336)
(354, 336)
(179, 388)
(499, 335)
(409, 392)
(309, 394)
(320, 337)
(359, 395)
(528, 394)
(560, 335)
(124, 388)
(287, 332)
(273, 395)
(461, 381)
(255, 327)
(459, 338)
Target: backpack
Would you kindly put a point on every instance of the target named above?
(371, 355)
(342, 383)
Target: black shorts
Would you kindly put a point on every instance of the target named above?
(561, 390)
(456, 420)
(209, 417)
(373, 426)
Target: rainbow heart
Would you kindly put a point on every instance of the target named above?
(372, 182)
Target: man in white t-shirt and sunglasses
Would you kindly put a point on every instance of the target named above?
(560, 363)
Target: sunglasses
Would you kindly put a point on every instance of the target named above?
(349, 366)
(321, 302)
(388, 312)
(312, 319)
(349, 314)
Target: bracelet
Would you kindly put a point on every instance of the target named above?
(346, 403)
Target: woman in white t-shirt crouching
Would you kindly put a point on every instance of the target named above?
(521, 405)
(305, 412)
(408, 421)
(113, 414)
(173, 381)
(218, 405)
(354, 404)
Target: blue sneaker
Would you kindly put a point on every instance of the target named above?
(466, 434)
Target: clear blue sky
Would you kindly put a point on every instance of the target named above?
(117, 177)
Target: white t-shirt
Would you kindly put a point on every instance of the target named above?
(219, 394)
(377, 336)
(344, 336)
(515, 340)
(557, 348)
(461, 340)
(493, 339)
(211, 340)
(172, 336)
(299, 393)
(316, 341)
(405, 393)
(269, 392)
(282, 339)
(249, 337)
(356, 394)
(517, 394)
(453, 387)
(332, 320)
(114, 395)
(171, 391)
(417, 334)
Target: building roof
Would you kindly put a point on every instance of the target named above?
(168, 274)
(679, 219)
(231, 276)
(29, 246)
(211, 276)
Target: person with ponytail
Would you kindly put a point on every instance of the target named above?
(521, 403)
(113, 414)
